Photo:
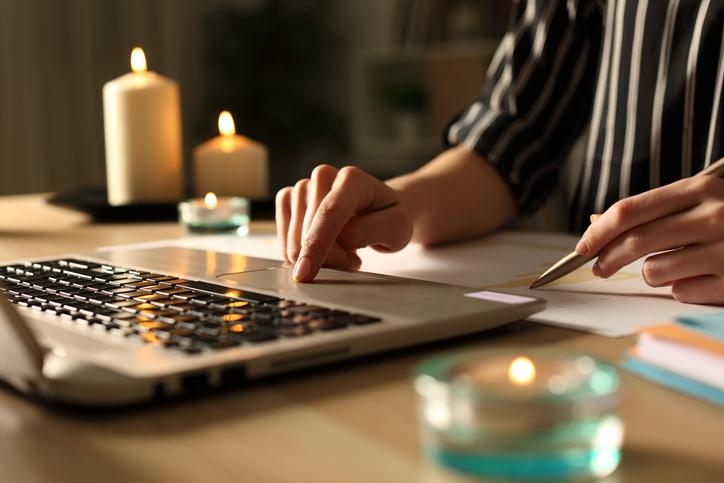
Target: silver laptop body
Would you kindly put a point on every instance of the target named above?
(55, 359)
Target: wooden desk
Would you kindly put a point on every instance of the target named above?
(351, 423)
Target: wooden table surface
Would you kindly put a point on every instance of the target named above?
(353, 422)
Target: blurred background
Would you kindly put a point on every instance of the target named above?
(371, 83)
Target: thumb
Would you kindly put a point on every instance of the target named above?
(389, 229)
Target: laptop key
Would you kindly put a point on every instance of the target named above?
(138, 284)
(131, 295)
(204, 299)
(174, 282)
(122, 281)
(179, 293)
(152, 288)
(118, 290)
(162, 278)
(170, 302)
(150, 297)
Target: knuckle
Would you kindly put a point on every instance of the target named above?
(323, 172)
(299, 193)
(591, 236)
(349, 173)
(621, 210)
(634, 242)
(301, 184)
(283, 195)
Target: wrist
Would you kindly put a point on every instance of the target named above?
(404, 187)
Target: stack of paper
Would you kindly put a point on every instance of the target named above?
(687, 356)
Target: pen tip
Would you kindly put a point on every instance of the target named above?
(535, 284)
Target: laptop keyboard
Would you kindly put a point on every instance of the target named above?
(187, 315)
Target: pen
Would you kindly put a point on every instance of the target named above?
(572, 261)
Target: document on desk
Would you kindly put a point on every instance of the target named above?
(510, 261)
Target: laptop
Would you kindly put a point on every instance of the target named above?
(127, 325)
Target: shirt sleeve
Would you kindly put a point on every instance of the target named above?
(538, 90)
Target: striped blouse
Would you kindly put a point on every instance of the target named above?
(645, 77)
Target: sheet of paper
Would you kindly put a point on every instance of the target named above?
(511, 261)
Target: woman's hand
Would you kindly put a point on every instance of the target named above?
(685, 220)
(323, 220)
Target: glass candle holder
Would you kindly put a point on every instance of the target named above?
(533, 415)
(215, 215)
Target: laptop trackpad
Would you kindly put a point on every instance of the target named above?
(276, 278)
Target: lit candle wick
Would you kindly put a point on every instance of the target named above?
(210, 200)
(521, 371)
(138, 60)
(226, 124)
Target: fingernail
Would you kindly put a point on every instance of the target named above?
(582, 246)
(302, 269)
(596, 269)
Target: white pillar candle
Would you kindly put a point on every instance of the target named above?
(231, 165)
(142, 116)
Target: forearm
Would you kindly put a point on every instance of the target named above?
(455, 196)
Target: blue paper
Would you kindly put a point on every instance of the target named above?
(710, 325)
(674, 381)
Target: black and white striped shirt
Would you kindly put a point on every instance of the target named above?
(645, 76)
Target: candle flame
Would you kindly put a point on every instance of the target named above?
(522, 371)
(226, 124)
(138, 60)
(210, 200)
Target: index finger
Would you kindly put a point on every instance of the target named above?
(353, 192)
(634, 211)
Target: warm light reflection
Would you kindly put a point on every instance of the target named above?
(226, 124)
(522, 371)
(236, 305)
(237, 328)
(151, 338)
(210, 260)
(138, 60)
(238, 264)
(233, 317)
(210, 200)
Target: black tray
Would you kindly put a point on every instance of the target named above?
(94, 202)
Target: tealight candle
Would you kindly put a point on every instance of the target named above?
(142, 118)
(215, 215)
(520, 414)
(230, 164)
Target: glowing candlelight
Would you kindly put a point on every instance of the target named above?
(521, 371)
(210, 200)
(138, 60)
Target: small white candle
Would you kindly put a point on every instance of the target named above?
(230, 164)
(213, 214)
(142, 116)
